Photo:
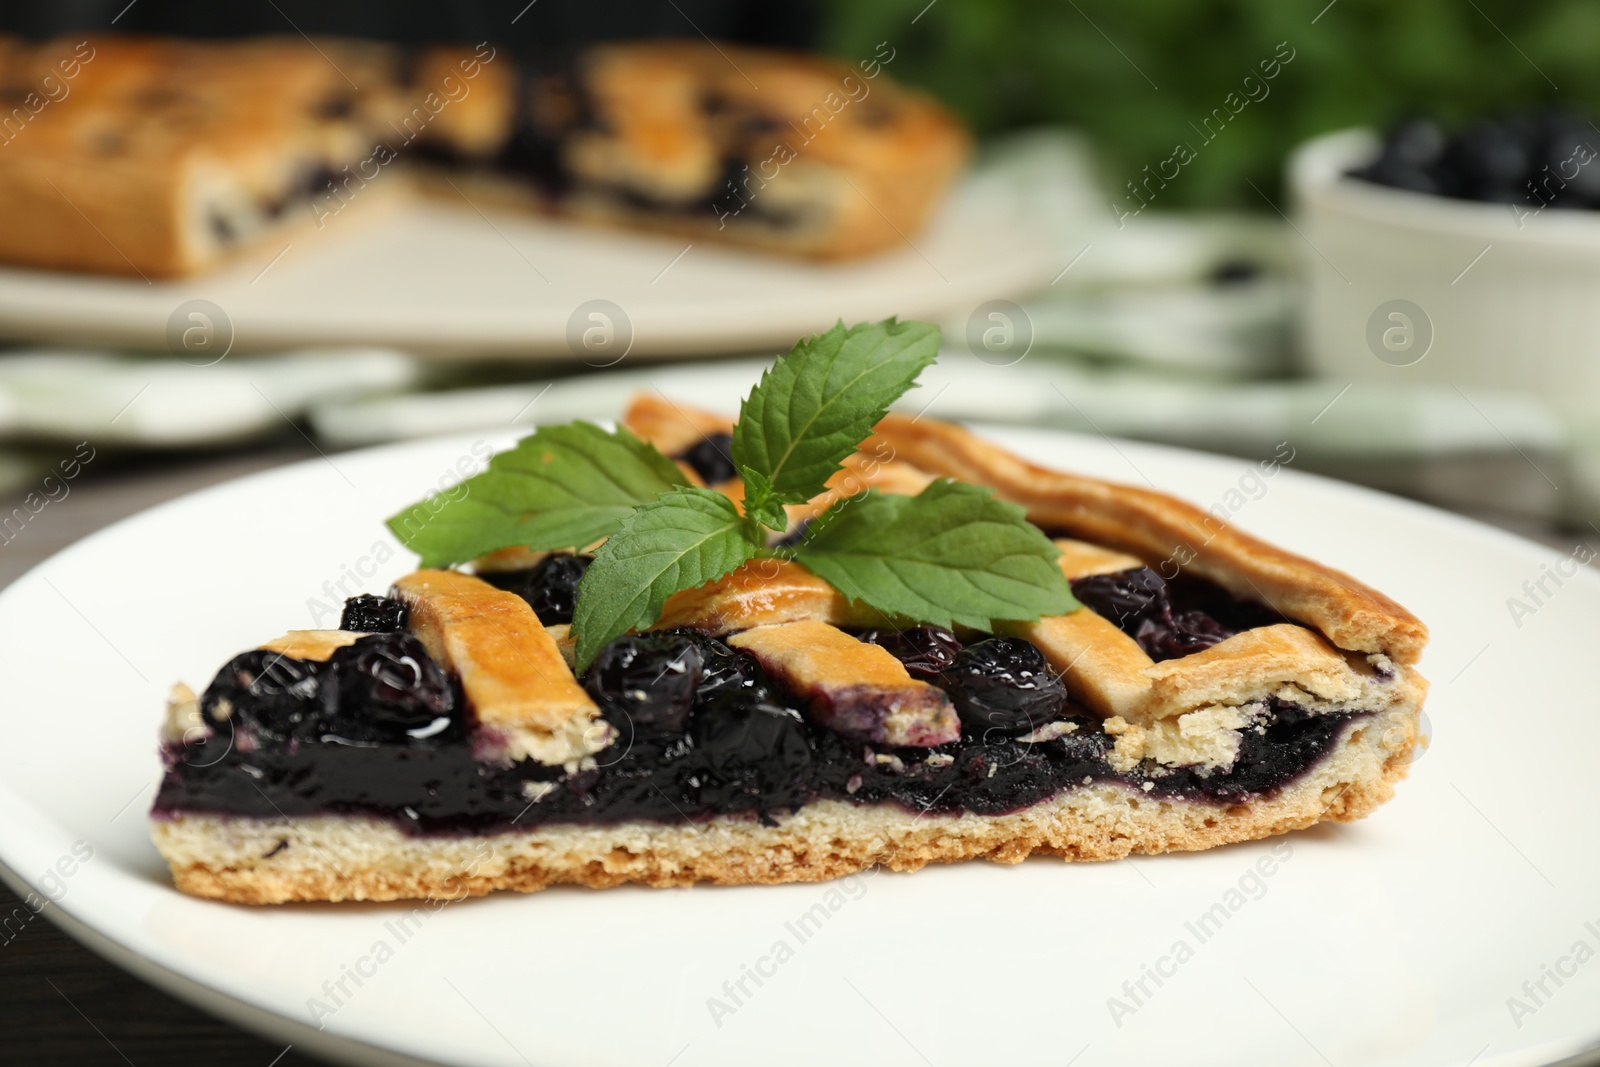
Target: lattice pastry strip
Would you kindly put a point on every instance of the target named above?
(1154, 526)
(1103, 667)
(853, 688)
(528, 703)
(763, 592)
(1183, 710)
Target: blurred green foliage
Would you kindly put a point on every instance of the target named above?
(1136, 73)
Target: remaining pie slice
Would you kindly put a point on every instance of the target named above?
(163, 157)
(768, 729)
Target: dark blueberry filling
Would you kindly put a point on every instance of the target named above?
(408, 60)
(994, 775)
(370, 614)
(321, 179)
(646, 683)
(1126, 598)
(533, 152)
(550, 587)
(1169, 619)
(554, 103)
(795, 537)
(1003, 685)
(395, 683)
(709, 458)
(222, 228)
(268, 696)
(726, 675)
(926, 652)
(726, 200)
(755, 755)
(436, 150)
(339, 105)
(382, 690)
(381, 729)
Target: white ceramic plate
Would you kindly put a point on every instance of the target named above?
(443, 278)
(1395, 941)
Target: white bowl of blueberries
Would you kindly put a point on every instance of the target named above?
(1467, 255)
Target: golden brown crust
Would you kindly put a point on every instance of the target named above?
(858, 473)
(1080, 559)
(244, 859)
(1102, 667)
(813, 654)
(508, 559)
(1257, 664)
(522, 691)
(853, 688)
(762, 592)
(1168, 534)
(671, 427)
(311, 644)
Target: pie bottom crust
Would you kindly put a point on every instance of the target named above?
(251, 860)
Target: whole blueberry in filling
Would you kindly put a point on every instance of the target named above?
(1140, 602)
(1180, 634)
(390, 681)
(1004, 684)
(550, 587)
(725, 673)
(709, 458)
(925, 651)
(1126, 598)
(370, 614)
(267, 694)
(646, 682)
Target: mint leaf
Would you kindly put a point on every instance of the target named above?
(686, 538)
(761, 503)
(952, 554)
(812, 408)
(560, 487)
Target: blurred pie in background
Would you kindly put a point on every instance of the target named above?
(165, 157)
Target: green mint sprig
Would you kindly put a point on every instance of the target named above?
(812, 409)
(561, 487)
(952, 555)
(684, 539)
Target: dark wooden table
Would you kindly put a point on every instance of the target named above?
(59, 1003)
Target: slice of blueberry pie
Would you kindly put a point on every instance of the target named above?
(784, 649)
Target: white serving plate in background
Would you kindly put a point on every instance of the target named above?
(442, 278)
(1393, 942)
